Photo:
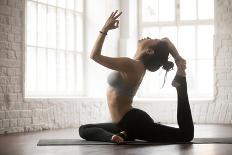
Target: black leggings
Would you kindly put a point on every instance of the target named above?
(139, 125)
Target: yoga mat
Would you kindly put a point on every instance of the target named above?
(52, 142)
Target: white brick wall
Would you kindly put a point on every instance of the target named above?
(19, 115)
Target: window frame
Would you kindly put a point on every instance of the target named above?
(63, 93)
(177, 22)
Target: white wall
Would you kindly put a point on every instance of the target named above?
(21, 115)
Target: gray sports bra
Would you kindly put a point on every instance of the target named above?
(116, 81)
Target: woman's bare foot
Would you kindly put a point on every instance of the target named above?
(181, 66)
(119, 138)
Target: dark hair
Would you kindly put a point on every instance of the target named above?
(159, 58)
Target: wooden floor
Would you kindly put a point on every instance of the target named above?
(25, 144)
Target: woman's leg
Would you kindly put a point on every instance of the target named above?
(98, 132)
(185, 132)
(140, 125)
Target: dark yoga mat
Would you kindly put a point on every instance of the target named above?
(51, 142)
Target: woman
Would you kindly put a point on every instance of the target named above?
(130, 123)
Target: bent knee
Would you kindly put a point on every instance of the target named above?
(188, 136)
(82, 130)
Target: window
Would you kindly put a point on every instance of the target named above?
(54, 48)
(190, 27)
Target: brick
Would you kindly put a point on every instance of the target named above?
(35, 120)
(27, 121)
(24, 113)
(225, 83)
(16, 13)
(5, 10)
(20, 122)
(3, 71)
(18, 38)
(16, 29)
(18, 22)
(5, 28)
(11, 54)
(12, 114)
(2, 98)
(11, 71)
(12, 97)
(11, 3)
(11, 37)
(3, 2)
(13, 122)
(3, 54)
(2, 115)
(19, 4)
(11, 20)
(6, 123)
(3, 36)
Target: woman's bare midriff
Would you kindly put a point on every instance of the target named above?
(118, 104)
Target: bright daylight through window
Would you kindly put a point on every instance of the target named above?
(189, 24)
(54, 48)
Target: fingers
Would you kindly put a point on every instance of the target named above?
(116, 23)
(114, 13)
(118, 15)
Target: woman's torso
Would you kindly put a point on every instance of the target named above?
(119, 104)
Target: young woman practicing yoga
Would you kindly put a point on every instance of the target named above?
(129, 123)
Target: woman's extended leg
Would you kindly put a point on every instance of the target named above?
(141, 126)
(98, 132)
(185, 132)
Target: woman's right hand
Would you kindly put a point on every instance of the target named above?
(112, 22)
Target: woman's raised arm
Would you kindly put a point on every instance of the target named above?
(111, 23)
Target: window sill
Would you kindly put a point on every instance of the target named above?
(136, 100)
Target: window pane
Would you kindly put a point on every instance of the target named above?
(170, 32)
(79, 5)
(70, 4)
(51, 26)
(70, 31)
(186, 42)
(42, 31)
(166, 10)
(70, 72)
(52, 2)
(31, 69)
(205, 83)
(42, 69)
(61, 29)
(187, 9)
(202, 12)
(79, 69)
(192, 76)
(31, 23)
(149, 10)
(61, 3)
(205, 41)
(152, 32)
(42, 1)
(79, 34)
(61, 80)
(51, 70)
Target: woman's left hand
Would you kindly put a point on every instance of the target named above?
(112, 22)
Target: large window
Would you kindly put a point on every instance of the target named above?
(190, 26)
(54, 48)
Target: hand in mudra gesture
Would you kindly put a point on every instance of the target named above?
(112, 22)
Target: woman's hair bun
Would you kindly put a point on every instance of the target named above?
(168, 65)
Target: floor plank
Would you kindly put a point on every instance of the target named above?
(25, 144)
